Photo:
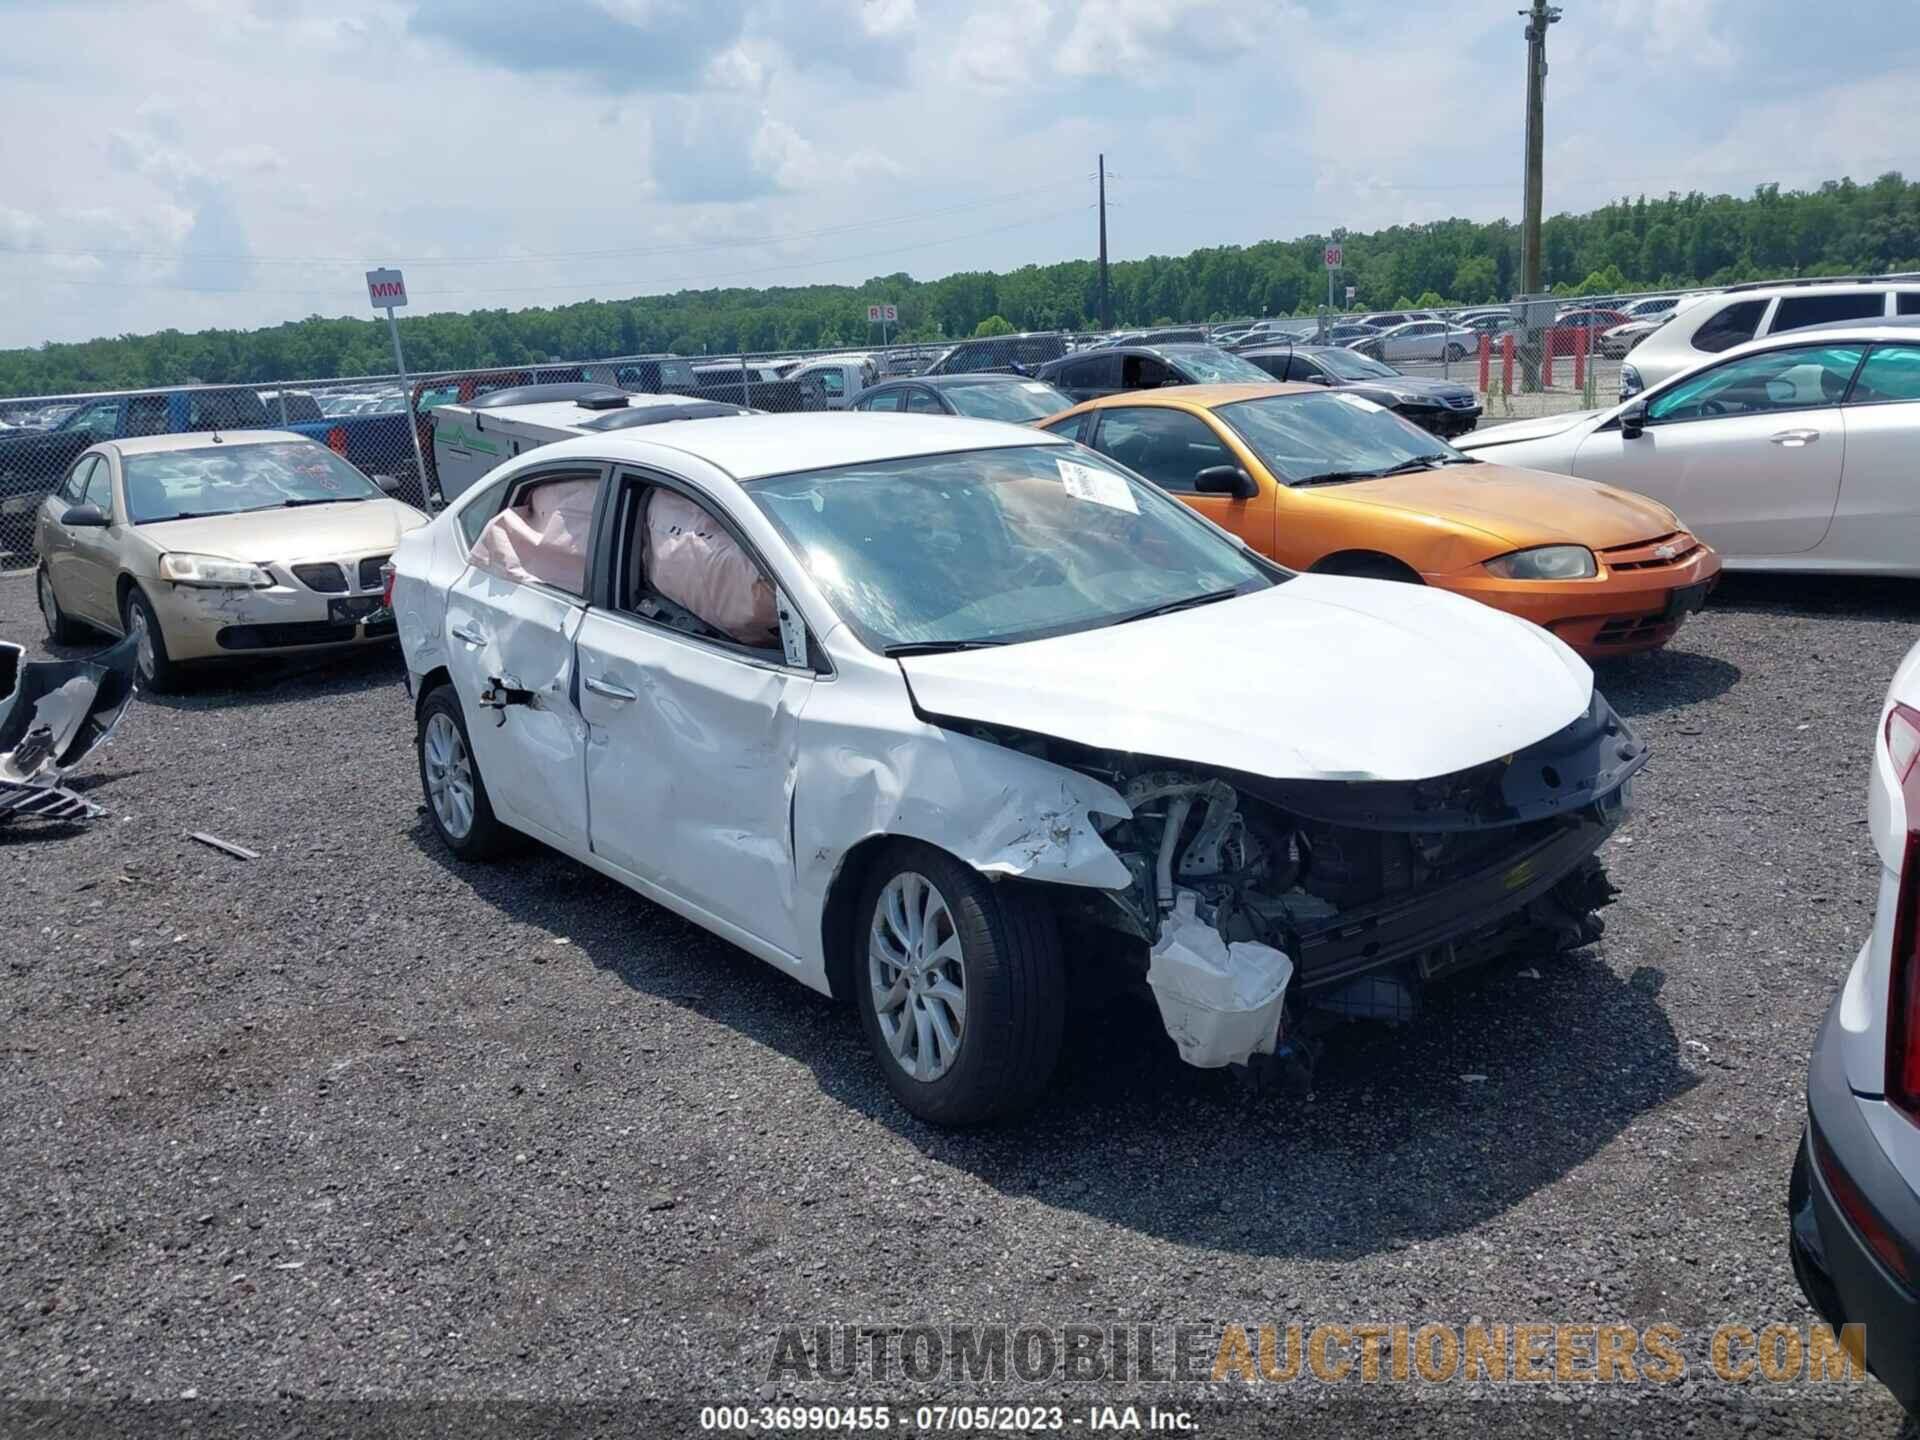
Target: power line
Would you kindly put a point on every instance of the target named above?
(681, 282)
(737, 242)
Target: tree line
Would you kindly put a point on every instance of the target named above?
(1841, 227)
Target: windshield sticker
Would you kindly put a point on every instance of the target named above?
(1358, 402)
(1101, 487)
(1036, 387)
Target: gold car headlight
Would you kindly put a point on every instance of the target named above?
(212, 570)
(1546, 562)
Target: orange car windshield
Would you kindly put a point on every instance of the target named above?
(1326, 438)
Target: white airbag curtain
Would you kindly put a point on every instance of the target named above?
(695, 563)
(541, 536)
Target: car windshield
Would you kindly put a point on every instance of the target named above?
(1318, 439)
(1017, 400)
(227, 479)
(992, 547)
(1207, 365)
(1351, 365)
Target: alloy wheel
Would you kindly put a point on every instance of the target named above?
(449, 775)
(917, 968)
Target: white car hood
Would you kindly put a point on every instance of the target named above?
(1536, 429)
(1320, 678)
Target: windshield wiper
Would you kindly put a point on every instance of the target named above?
(323, 500)
(1405, 467)
(1188, 603)
(936, 647)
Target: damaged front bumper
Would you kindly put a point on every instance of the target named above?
(52, 715)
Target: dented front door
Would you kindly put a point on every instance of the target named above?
(510, 650)
(690, 769)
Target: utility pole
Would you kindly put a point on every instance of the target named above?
(1106, 311)
(1538, 19)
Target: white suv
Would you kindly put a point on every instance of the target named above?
(1748, 312)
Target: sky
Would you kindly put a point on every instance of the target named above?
(240, 162)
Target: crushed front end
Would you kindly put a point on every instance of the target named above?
(1372, 888)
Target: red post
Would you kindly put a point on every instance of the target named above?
(1506, 362)
(1580, 358)
(1486, 359)
(1546, 361)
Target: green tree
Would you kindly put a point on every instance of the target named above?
(993, 325)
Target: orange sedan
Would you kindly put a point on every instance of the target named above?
(1320, 480)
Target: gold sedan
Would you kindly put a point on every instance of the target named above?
(207, 546)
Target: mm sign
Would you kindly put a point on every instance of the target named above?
(386, 289)
(877, 313)
(1333, 257)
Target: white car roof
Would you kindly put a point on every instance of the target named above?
(750, 447)
(200, 439)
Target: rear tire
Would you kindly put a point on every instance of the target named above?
(60, 629)
(157, 673)
(456, 796)
(932, 932)
(1456, 353)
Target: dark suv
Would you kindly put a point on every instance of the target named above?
(1023, 354)
(1093, 373)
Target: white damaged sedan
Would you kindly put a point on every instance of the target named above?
(949, 717)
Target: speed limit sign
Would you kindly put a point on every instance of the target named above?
(1333, 257)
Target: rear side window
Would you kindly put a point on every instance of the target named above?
(1730, 327)
(542, 536)
(921, 402)
(885, 400)
(1909, 302)
(224, 410)
(1100, 372)
(1796, 312)
(1892, 372)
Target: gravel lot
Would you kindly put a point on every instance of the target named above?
(353, 1120)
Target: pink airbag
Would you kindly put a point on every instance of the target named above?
(696, 564)
(542, 536)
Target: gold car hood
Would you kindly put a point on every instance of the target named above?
(345, 528)
(1517, 507)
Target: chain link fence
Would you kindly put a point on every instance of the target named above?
(1562, 356)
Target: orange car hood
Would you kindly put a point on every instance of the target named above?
(1517, 507)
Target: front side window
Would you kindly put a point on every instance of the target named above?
(1892, 373)
(1100, 372)
(1169, 447)
(921, 402)
(99, 489)
(75, 485)
(1352, 365)
(1070, 427)
(1793, 379)
(997, 546)
(225, 410)
(1207, 365)
(1735, 325)
(1017, 401)
(229, 479)
(678, 566)
(147, 415)
(1325, 438)
(833, 383)
(886, 400)
(1797, 312)
(100, 418)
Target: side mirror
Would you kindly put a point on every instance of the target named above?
(389, 483)
(83, 516)
(1226, 480)
(1318, 378)
(1633, 420)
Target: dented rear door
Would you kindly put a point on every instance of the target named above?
(510, 652)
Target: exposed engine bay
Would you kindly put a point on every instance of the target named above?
(1371, 887)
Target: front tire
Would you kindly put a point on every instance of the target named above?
(960, 987)
(60, 629)
(157, 673)
(456, 796)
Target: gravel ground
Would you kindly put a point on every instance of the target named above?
(354, 1120)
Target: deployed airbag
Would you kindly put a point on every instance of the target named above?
(541, 536)
(695, 563)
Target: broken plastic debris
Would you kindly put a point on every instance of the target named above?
(238, 851)
(1221, 1003)
(52, 714)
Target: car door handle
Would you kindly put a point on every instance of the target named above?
(1794, 439)
(471, 634)
(609, 689)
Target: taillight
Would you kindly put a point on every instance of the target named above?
(1859, 1213)
(337, 439)
(1903, 988)
(386, 584)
